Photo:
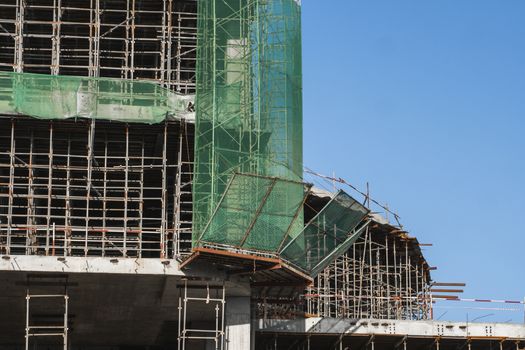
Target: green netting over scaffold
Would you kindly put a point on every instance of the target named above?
(61, 97)
(260, 215)
(255, 214)
(249, 105)
(329, 233)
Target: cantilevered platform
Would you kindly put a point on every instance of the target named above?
(260, 268)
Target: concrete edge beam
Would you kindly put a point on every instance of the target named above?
(28, 263)
(437, 329)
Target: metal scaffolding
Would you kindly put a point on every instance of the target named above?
(86, 188)
(47, 311)
(128, 39)
(206, 297)
(383, 276)
(97, 188)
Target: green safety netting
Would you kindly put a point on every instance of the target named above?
(61, 97)
(261, 215)
(247, 190)
(255, 213)
(328, 234)
(249, 104)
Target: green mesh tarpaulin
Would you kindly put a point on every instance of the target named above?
(61, 97)
(329, 232)
(261, 214)
(255, 213)
(249, 109)
(249, 121)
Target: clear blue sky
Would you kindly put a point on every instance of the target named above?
(426, 101)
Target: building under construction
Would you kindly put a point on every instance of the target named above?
(152, 192)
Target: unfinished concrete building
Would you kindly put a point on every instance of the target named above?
(152, 192)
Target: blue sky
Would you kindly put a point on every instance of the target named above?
(425, 100)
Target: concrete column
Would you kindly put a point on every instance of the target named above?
(238, 324)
